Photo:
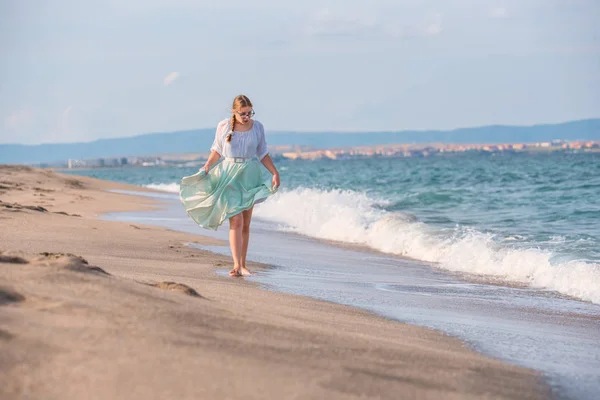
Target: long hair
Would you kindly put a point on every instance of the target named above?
(239, 102)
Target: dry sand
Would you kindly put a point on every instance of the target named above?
(93, 309)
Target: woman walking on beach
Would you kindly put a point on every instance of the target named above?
(231, 188)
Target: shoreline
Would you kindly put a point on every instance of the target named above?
(104, 334)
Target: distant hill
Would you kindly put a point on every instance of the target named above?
(200, 141)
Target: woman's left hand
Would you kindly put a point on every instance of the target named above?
(275, 182)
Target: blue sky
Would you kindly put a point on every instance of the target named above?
(78, 70)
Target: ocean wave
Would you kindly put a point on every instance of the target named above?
(353, 217)
(165, 187)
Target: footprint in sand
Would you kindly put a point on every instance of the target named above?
(8, 296)
(66, 261)
(9, 258)
(37, 189)
(55, 260)
(67, 214)
(74, 183)
(19, 207)
(179, 287)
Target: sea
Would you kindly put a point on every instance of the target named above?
(501, 250)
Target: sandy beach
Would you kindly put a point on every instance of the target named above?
(95, 309)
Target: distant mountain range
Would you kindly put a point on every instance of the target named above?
(198, 141)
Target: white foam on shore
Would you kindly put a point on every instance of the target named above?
(165, 187)
(354, 217)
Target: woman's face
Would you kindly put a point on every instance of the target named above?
(243, 115)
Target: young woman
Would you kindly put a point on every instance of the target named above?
(229, 190)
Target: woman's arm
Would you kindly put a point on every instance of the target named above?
(268, 163)
(212, 159)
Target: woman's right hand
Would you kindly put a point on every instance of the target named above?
(212, 159)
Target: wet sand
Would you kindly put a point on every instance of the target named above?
(101, 309)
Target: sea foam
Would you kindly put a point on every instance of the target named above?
(165, 187)
(353, 217)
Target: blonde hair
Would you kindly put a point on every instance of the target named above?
(239, 102)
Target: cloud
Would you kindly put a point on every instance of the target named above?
(170, 78)
(426, 28)
(67, 111)
(344, 22)
(435, 27)
(499, 12)
(370, 23)
(18, 119)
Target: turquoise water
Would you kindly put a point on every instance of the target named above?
(524, 218)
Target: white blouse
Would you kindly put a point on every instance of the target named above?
(243, 144)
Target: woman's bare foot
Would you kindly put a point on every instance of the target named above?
(246, 271)
(235, 272)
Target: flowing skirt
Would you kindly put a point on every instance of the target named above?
(228, 189)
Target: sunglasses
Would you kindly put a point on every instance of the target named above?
(246, 114)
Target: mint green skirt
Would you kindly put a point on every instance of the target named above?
(228, 189)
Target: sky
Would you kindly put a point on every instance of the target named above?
(81, 70)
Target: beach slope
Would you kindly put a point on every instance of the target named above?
(94, 309)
